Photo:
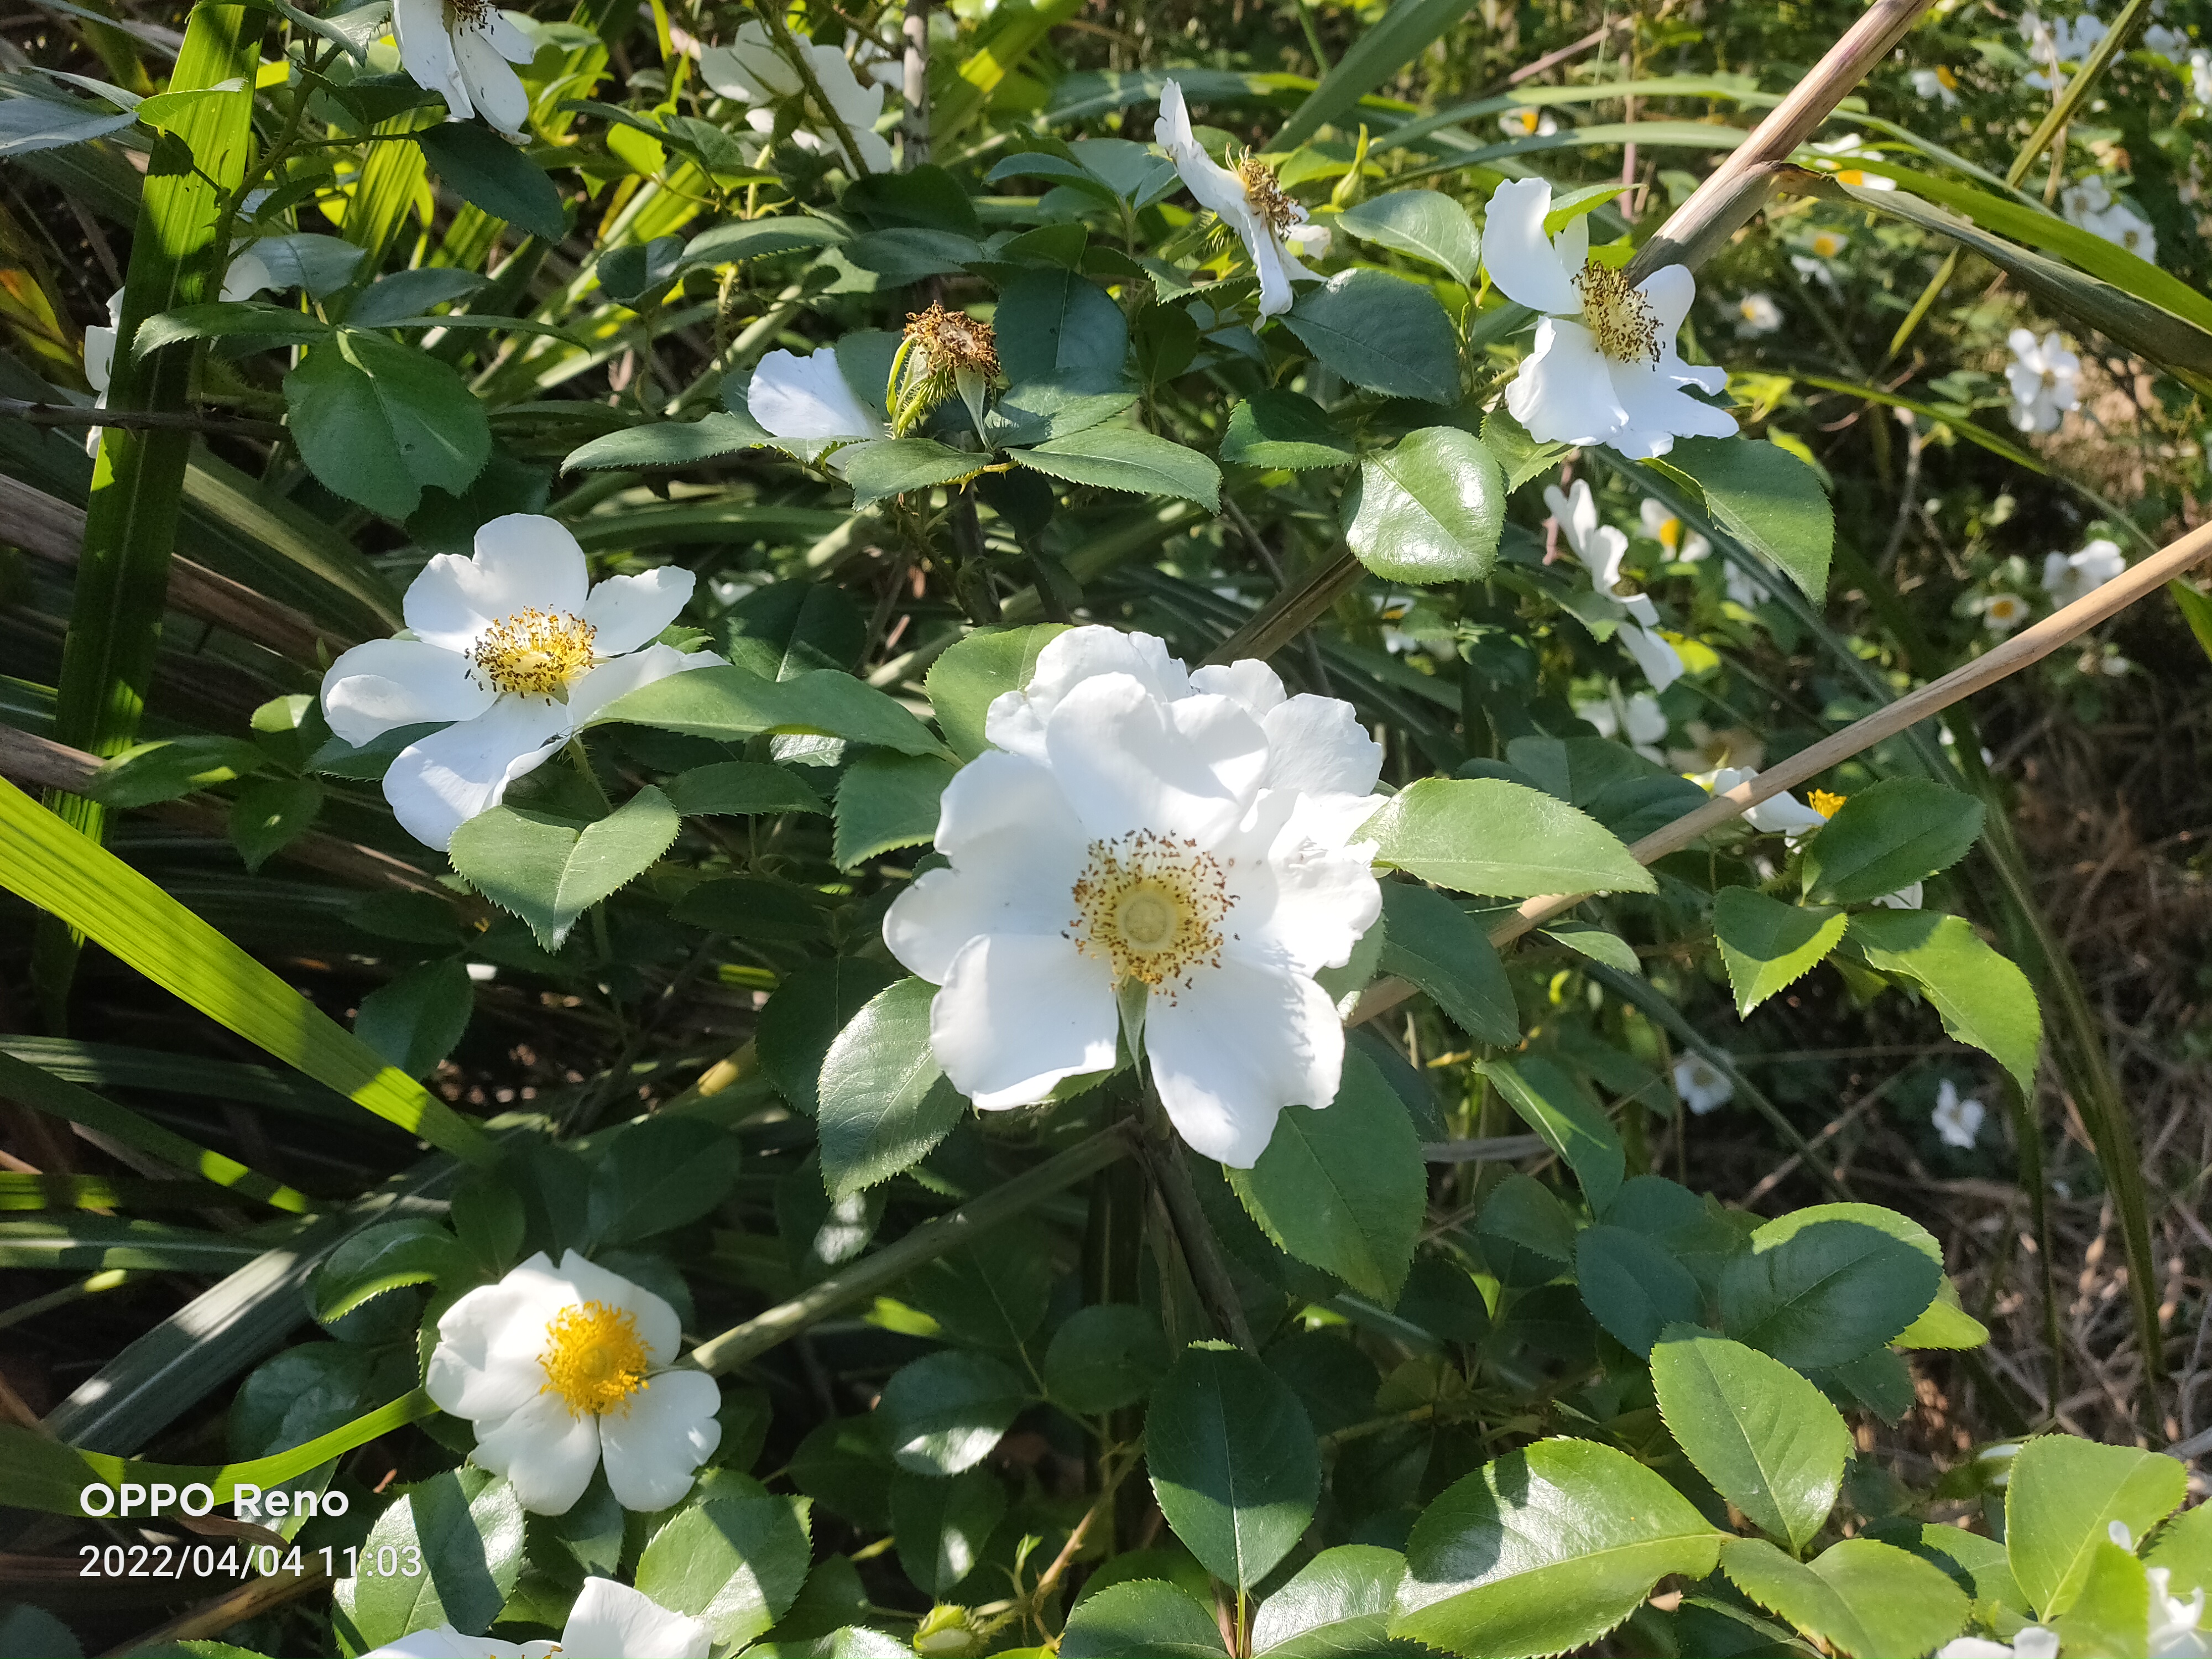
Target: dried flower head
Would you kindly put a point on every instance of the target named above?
(940, 353)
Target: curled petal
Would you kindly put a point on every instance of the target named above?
(1520, 257)
(439, 784)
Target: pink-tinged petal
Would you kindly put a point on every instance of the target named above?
(548, 1455)
(626, 611)
(1317, 745)
(439, 784)
(384, 683)
(1519, 256)
(656, 1323)
(1233, 1048)
(1564, 392)
(609, 1618)
(1128, 762)
(667, 1430)
(1016, 1014)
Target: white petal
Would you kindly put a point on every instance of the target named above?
(440, 783)
(1669, 291)
(507, 36)
(667, 1431)
(612, 1618)
(445, 1643)
(1128, 762)
(495, 88)
(1234, 1047)
(1275, 267)
(99, 358)
(1564, 392)
(1657, 411)
(1323, 900)
(426, 53)
(1016, 1014)
(1661, 663)
(806, 397)
(246, 276)
(1519, 256)
(609, 680)
(1015, 720)
(1213, 184)
(481, 1368)
(548, 1455)
(382, 683)
(1576, 514)
(1317, 745)
(628, 611)
(521, 561)
(657, 1325)
(1248, 680)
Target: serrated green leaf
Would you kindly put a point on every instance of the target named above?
(1233, 1462)
(975, 672)
(667, 443)
(1285, 431)
(1425, 224)
(1429, 510)
(1888, 837)
(888, 800)
(735, 1562)
(1548, 1100)
(1104, 1357)
(1826, 1284)
(548, 871)
(1505, 840)
(1768, 945)
(728, 704)
(1123, 458)
(884, 1100)
(1768, 499)
(2061, 1499)
(1982, 997)
(1381, 332)
(944, 1414)
(1430, 941)
(885, 467)
(742, 788)
(1767, 1439)
(376, 422)
(1862, 1598)
(1633, 1286)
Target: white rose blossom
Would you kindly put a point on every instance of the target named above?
(1702, 1085)
(1183, 839)
(1757, 314)
(1604, 368)
(1958, 1122)
(2070, 576)
(1777, 815)
(2045, 380)
(1833, 157)
(753, 71)
(1528, 123)
(464, 51)
(1601, 547)
(608, 1621)
(2001, 612)
(562, 1369)
(509, 647)
(1936, 85)
(1682, 544)
(2175, 1630)
(1249, 201)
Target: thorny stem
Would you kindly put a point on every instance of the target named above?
(1157, 1150)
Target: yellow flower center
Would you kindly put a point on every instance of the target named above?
(1851, 176)
(1150, 907)
(535, 654)
(1944, 79)
(1263, 192)
(1621, 321)
(1827, 245)
(1527, 120)
(1670, 534)
(594, 1358)
(1825, 802)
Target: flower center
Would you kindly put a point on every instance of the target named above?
(534, 653)
(1150, 907)
(1670, 534)
(952, 340)
(1826, 802)
(1263, 192)
(1827, 246)
(1622, 321)
(2050, 379)
(467, 14)
(1944, 79)
(594, 1358)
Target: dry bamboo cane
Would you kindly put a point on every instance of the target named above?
(2030, 645)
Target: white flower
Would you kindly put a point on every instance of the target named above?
(806, 400)
(2166, 42)
(1938, 83)
(1637, 719)
(1682, 542)
(2102, 661)
(2045, 379)
(1958, 1122)
(1183, 839)
(2200, 76)
(2070, 576)
(1828, 244)
(1310, 241)
(562, 1369)
(462, 50)
(1836, 152)
(1601, 547)
(752, 71)
(244, 278)
(2053, 45)
(2122, 226)
(608, 1621)
(2174, 1632)
(1904, 898)
(1777, 815)
(1746, 589)
(2033, 1641)
(1757, 314)
(1703, 1086)
(2001, 612)
(2085, 198)
(1249, 201)
(508, 646)
(1604, 370)
(1526, 123)
(1815, 270)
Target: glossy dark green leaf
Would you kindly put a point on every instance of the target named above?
(1381, 332)
(1889, 836)
(466, 1529)
(1283, 431)
(734, 1562)
(888, 800)
(1768, 945)
(415, 1021)
(1767, 1439)
(1428, 511)
(1768, 499)
(2061, 1500)
(1860, 1597)
(1233, 1463)
(549, 872)
(1486, 835)
(1145, 1616)
(977, 671)
(1982, 997)
(942, 1526)
(1824, 1286)
(805, 1016)
(1425, 224)
(376, 422)
(662, 1173)
(1632, 1285)
(1061, 327)
(1549, 1101)
(883, 1101)
(944, 1414)
(1105, 1357)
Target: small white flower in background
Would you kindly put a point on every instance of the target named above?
(806, 400)
(1757, 314)
(1682, 544)
(1637, 720)
(1601, 547)
(1833, 156)
(2069, 577)
(1815, 270)
(2200, 76)
(2103, 662)
(2001, 612)
(245, 276)
(1904, 898)
(2054, 44)
(2033, 1642)
(608, 1621)
(1746, 589)
(2166, 42)
(1828, 244)
(1526, 123)
(2175, 1631)
(1180, 840)
(2085, 198)
(1703, 1086)
(1938, 84)
(1777, 815)
(1604, 369)
(2122, 226)
(752, 71)
(1958, 1122)
(2045, 380)
(464, 51)
(1249, 201)
(562, 1369)
(508, 646)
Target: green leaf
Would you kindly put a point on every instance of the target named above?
(1633, 1286)
(754, 907)
(1233, 1462)
(888, 800)
(1104, 1357)
(376, 422)
(1429, 510)
(1123, 458)
(1521, 455)
(1430, 941)
(1505, 839)
(1343, 1188)
(628, 273)
(974, 671)
(1527, 1235)
(382, 1258)
(1824, 1285)
(2184, 1548)
(222, 320)
(1381, 332)
(1944, 1324)
(1337, 1605)
(1283, 430)
(1767, 1439)
(468, 1527)
(944, 1414)
(741, 789)
(1862, 1598)
(892, 466)
(2061, 1500)
(269, 816)
(405, 293)
(415, 1021)
(1400, 35)
(1889, 836)
(149, 773)
(1550, 1102)
(1545, 1549)
(1146, 1615)
(29, 124)
(1060, 327)
(942, 1526)
(760, 239)
(884, 1101)
(548, 871)
(1768, 499)
(660, 1174)
(2109, 1616)
(734, 1563)
(1425, 224)
(1983, 997)
(805, 1016)
(792, 628)
(483, 169)
(730, 704)
(667, 443)
(1768, 945)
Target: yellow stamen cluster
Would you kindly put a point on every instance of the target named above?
(1828, 244)
(1263, 192)
(1621, 321)
(1151, 906)
(533, 652)
(1944, 79)
(1826, 802)
(1670, 534)
(593, 1359)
